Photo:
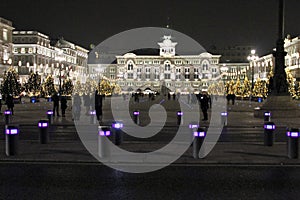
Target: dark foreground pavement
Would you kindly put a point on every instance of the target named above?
(94, 181)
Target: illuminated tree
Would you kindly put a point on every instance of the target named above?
(48, 86)
(10, 83)
(33, 85)
(237, 88)
(104, 87)
(229, 87)
(67, 87)
(260, 88)
(78, 88)
(246, 90)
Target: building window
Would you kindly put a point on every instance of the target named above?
(196, 76)
(205, 66)
(186, 70)
(156, 76)
(22, 50)
(112, 76)
(178, 70)
(167, 67)
(112, 70)
(178, 76)
(15, 50)
(147, 76)
(5, 38)
(148, 70)
(130, 76)
(187, 76)
(130, 67)
(139, 70)
(167, 76)
(138, 76)
(196, 70)
(214, 70)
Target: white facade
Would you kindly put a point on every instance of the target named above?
(184, 73)
(33, 52)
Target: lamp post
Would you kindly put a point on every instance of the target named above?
(252, 58)
(60, 58)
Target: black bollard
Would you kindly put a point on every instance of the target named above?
(224, 116)
(49, 116)
(293, 149)
(93, 117)
(179, 118)
(103, 143)
(136, 117)
(267, 116)
(7, 114)
(199, 136)
(11, 139)
(193, 126)
(116, 127)
(44, 133)
(269, 137)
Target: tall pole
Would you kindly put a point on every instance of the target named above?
(59, 77)
(280, 83)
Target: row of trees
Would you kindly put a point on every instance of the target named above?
(33, 86)
(241, 89)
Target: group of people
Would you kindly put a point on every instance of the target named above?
(93, 102)
(63, 104)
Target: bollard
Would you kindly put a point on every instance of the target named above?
(44, 133)
(11, 140)
(193, 126)
(269, 137)
(93, 116)
(116, 127)
(293, 149)
(32, 99)
(7, 114)
(224, 118)
(199, 136)
(179, 118)
(49, 116)
(267, 116)
(136, 117)
(103, 143)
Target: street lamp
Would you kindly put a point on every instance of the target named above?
(251, 58)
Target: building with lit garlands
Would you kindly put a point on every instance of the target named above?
(264, 65)
(33, 51)
(6, 55)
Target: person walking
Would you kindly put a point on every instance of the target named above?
(98, 105)
(87, 103)
(55, 100)
(10, 103)
(63, 105)
(204, 105)
(76, 106)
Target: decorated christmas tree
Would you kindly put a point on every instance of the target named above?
(78, 88)
(260, 88)
(90, 86)
(116, 89)
(229, 87)
(10, 85)
(33, 85)
(291, 83)
(48, 86)
(67, 87)
(238, 88)
(246, 89)
(104, 87)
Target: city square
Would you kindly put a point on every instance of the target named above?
(140, 109)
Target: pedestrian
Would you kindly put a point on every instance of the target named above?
(169, 96)
(204, 105)
(63, 105)
(87, 103)
(55, 100)
(174, 96)
(98, 105)
(76, 106)
(10, 103)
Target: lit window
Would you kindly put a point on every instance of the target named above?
(22, 50)
(5, 34)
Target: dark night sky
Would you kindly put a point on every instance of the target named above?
(210, 22)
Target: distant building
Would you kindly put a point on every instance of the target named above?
(6, 55)
(232, 54)
(179, 73)
(33, 52)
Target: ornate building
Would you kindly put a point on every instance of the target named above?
(6, 55)
(34, 52)
(179, 73)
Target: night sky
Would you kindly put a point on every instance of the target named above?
(210, 22)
